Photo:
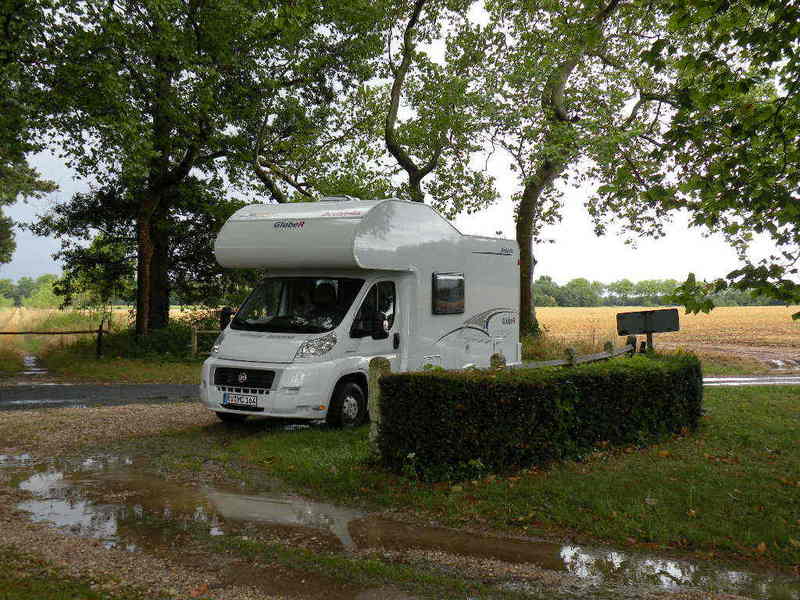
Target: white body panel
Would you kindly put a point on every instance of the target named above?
(384, 240)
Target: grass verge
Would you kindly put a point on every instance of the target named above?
(26, 577)
(10, 361)
(733, 488)
(66, 364)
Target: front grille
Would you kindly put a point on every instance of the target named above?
(241, 390)
(243, 378)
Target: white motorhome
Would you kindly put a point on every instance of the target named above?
(349, 280)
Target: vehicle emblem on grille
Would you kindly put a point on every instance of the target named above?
(242, 377)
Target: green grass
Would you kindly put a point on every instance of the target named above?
(10, 361)
(65, 363)
(26, 577)
(732, 488)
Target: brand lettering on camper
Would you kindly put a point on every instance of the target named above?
(289, 224)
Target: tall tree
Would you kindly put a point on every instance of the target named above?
(22, 23)
(568, 88)
(98, 244)
(145, 93)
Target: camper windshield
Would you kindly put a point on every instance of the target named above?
(297, 305)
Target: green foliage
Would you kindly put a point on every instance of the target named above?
(437, 137)
(21, 25)
(38, 293)
(726, 148)
(149, 98)
(43, 295)
(518, 418)
(172, 342)
(100, 268)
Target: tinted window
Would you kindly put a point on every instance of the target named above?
(448, 293)
(380, 298)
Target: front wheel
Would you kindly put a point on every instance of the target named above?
(227, 417)
(348, 406)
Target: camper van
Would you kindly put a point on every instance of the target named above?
(346, 281)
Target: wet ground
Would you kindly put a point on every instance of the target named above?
(777, 358)
(115, 499)
(34, 388)
(56, 395)
(738, 381)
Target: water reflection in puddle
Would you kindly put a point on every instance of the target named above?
(31, 365)
(109, 499)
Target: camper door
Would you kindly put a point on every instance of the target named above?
(376, 327)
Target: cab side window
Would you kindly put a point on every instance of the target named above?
(381, 298)
(386, 300)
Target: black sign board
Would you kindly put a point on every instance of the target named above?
(648, 321)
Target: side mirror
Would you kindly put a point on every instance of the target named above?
(380, 327)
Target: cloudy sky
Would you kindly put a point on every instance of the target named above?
(576, 252)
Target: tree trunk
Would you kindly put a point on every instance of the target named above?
(159, 270)
(145, 250)
(527, 215)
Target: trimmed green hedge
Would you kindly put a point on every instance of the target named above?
(456, 424)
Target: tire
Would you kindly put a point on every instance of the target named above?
(227, 417)
(348, 406)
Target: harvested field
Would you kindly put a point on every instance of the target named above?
(741, 325)
(764, 333)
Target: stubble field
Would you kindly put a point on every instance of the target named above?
(739, 325)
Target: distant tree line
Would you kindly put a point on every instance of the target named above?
(648, 292)
(29, 292)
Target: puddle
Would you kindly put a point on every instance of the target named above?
(32, 366)
(758, 380)
(110, 499)
(15, 460)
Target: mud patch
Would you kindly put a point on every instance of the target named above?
(776, 358)
(112, 500)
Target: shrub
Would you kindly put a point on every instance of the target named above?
(170, 343)
(442, 422)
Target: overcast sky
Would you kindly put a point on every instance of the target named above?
(577, 252)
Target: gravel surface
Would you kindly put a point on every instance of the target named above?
(53, 432)
(56, 432)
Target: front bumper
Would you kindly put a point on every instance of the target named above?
(299, 390)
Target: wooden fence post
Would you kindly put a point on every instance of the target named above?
(194, 341)
(378, 367)
(100, 340)
(571, 356)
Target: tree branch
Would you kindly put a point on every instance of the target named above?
(390, 133)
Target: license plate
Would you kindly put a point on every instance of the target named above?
(239, 400)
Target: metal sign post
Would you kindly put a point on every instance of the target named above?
(648, 322)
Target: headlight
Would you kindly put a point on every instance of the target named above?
(317, 346)
(217, 347)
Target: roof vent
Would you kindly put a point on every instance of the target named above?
(338, 199)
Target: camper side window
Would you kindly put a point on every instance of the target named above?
(448, 293)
